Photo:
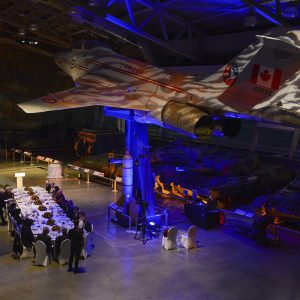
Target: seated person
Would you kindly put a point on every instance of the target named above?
(48, 187)
(8, 192)
(16, 215)
(76, 215)
(4, 195)
(2, 206)
(60, 199)
(44, 237)
(11, 207)
(60, 239)
(26, 233)
(69, 209)
(55, 191)
(84, 223)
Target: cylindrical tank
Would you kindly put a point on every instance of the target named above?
(127, 176)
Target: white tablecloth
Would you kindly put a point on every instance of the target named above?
(54, 171)
(30, 210)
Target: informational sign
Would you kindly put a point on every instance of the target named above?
(20, 174)
(118, 179)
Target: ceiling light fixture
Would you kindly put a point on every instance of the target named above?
(21, 31)
(33, 27)
(21, 13)
(93, 3)
(74, 10)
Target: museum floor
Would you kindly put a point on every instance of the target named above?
(224, 266)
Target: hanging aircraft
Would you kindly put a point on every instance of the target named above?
(261, 83)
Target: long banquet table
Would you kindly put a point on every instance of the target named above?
(31, 211)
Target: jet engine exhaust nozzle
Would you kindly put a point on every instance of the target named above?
(231, 127)
(187, 119)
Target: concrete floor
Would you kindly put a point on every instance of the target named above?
(224, 266)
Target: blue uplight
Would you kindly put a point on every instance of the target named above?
(241, 116)
(179, 169)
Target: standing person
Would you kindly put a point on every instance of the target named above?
(76, 236)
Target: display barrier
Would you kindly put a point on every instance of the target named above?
(89, 172)
(18, 151)
(28, 155)
(113, 206)
(25, 155)
(48, 160)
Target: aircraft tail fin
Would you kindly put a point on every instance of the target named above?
(254, 80)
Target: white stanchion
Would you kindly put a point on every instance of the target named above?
(19, 177)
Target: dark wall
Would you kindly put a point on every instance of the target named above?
(26, 74)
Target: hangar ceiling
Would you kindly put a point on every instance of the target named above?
(53, 25)
(162, 32)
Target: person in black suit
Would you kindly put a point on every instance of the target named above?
(76, 213)
(48, 187)
(17, 217)
(2, 206)
(26, 233)
(11, 207)
(60, 239)
(76, 236)
(70, 210)
(44, 237)
(55, 191)
(4, 195)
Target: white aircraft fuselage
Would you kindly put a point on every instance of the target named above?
(262, 83)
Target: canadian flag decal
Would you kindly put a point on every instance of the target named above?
(266, 77)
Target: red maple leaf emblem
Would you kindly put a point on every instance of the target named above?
(265, 76)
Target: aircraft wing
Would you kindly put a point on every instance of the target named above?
(88, 95)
